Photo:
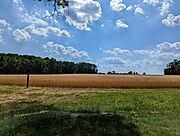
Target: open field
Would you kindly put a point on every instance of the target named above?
(83, 111)
(95, 81)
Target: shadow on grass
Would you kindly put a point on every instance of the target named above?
(32, 121)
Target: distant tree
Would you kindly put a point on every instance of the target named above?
(1, 61)
(109, 72)
(130, 73)
(144, 73)
(22, 64)
(173, 68)
(113, 72)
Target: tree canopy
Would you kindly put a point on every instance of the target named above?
(57, 3)
(173, 68)
(63, 3)
(22, 64)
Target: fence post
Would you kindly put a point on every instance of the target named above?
(27, 84)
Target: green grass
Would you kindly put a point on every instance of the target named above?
(146, 112)
(9, 89)
(143, 100)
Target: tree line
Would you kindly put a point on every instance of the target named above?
(22, 64)
(173, 68)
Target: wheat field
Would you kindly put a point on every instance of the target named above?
(93, 81)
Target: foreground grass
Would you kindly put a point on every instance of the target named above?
(36, 111)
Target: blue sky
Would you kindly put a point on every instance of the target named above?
(120, 35)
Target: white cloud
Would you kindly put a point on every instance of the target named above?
(1, 39)
(121, 24)
(5, 27)
(169, 47)
(102, 25)
(138, 10)
(64, 51)
(46, 31)
(25, 16)
(57, 31)
(118, 51)
(37, 31)
(162, 5)
(117, 5)
(75, 53)
(151, 2)
(147, 60)
(164, 51)
(158, 55)
(152, 66)
(82, 12)
(164, 9)
(4, 23)
(115, 61)
(21, 35)
(157, 59)
(171, 20)
(129, 8)
(144, 52)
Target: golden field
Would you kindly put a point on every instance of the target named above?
(93, 81)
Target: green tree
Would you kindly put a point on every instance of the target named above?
(22, 64)
(173, 68)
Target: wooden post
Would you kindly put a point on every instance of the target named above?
(27, 85)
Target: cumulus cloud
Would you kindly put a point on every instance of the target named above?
(25, 16)
(4, 23)
(115, 61)
(121, 24)
(129, 8)
(57, 31)
(118, 51)
(163, 5)
(64, 51)
(171, 20)
(152, 2)
(147, 53)
(45, 31)
(82, 12)
(26, 33)
(149, 60)
(21, 35)
(37, 31)
(138, 10)
(158, 58)
(5, 27)
(169, 47)
(151, 65)
(117, 5)
(164, 51)
(164, 9)
(158, 55)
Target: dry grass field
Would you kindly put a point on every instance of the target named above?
(93, 81)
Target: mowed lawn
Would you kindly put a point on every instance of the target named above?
(89, 111)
